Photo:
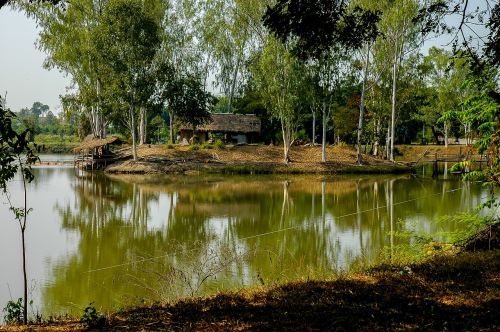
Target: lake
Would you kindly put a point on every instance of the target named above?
(122, 240)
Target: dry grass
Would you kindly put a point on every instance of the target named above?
(250, 159)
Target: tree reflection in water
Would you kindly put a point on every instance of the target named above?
(154, 238)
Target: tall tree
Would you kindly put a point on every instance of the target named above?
(321, 30)
(128, 39)
(66, 37)
(276, 73)
(231, 30)
(400, 32)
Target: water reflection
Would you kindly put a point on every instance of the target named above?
(153, 238)
(134, 231)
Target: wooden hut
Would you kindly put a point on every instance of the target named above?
(232, 128)
(95, 152)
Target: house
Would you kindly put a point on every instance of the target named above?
(231, 128)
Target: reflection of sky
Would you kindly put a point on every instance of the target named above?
(225, 214)
(46, 242)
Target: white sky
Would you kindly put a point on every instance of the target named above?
(21, 73)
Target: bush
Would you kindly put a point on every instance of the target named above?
(91, 319)
(194, 147)
(207, 146)
(14, 312)
(170, 147)
(219, 144)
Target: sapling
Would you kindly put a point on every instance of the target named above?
(16, 155)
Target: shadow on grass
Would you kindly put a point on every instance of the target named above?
(446, 293)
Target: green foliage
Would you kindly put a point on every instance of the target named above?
(91, 319)
(206, 146)
(13, 312)
(423, 244)
(191, 103)
(320, 25)
(219, 144)
(194, 147)
(16, 153)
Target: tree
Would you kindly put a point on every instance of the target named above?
(191, 103)
(128, 38)
(231, 30)
(321, 30)
(66, 37)
(446, 75)
(277, 73)
(39, 110)
(16, 155)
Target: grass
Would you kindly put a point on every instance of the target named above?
(56, 144)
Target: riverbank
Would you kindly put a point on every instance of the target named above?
(446, 292)
(251, 159)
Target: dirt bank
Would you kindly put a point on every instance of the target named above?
(253, 159)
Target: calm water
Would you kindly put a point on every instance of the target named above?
(119, 240)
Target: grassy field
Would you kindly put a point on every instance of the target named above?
(56, 144)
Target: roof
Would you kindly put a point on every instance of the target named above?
(90, 142)
(230, 123)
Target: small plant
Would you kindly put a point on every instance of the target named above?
(170, 147)
(207, 146)
(14, 312)
(194, 147)
(219, 144)
(91, 318)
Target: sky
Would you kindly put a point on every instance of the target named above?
(22, 74)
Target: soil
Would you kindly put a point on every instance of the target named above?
(251, 159)
(459, 292)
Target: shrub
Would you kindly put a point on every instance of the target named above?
(14, 312)
(207, 146)
(219, 144)
(91, 319)
(170, 147)
(194, 147)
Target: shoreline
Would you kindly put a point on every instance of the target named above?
(447, 291)
(251, 159)
(195, 168)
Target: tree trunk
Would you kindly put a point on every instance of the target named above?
(434, 133)
(25, 277)
(446, 134)
(314, 128)
(286, 142)
(142, 126)
(393, 106)
(23, 240)
(323, 139)
(388, 142)
(377, 137)
(132, 131)
(362, 104)
(233, 85)
(171, 127)
(207, 67)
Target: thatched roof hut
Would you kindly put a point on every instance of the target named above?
(230, 123)
(237, 128)
(90, 143)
